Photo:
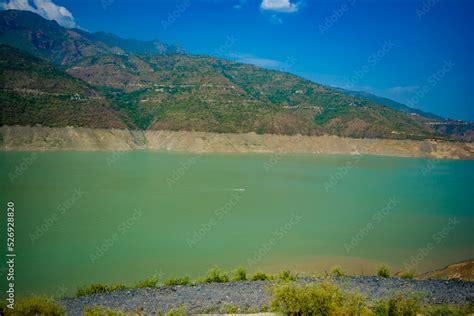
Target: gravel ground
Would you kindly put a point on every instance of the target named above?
(254, 294)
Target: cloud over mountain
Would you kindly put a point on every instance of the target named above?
(46, 8)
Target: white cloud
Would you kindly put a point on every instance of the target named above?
(46, 8)
(257, 61)
(403, 89)
(284, 6)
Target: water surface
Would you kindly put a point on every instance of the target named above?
(85, 217)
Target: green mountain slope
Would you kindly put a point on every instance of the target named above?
(454, 129)
(131, 45)
(33, 91)
(30, 32)
(112, 82)
(390, 103)
(210, 94)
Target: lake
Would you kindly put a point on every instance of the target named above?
(85, 217)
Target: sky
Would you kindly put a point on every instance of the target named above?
(418, 52)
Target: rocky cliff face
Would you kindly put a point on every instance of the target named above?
(23, 138)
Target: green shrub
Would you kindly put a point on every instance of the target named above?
(228, 308)
(407, 275)
(178, 281)
(451, 310)
(102, 311)
(150, 282)
(286, 275)
(239, 274)
(98, 288)
(315, 299)
(216, 275)
(177, 311)
(260, 276)
(398, 305)
(383, 272)
(337, 271)
(35, 305)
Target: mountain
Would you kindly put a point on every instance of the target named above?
(30, 32)
(33, 91)
(132, 46)
(388, 102)
(454, 129)
(149, 86)
(183, 92)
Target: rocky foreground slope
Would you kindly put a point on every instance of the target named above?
(21, 138)
(254, 295)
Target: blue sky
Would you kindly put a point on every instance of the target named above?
(416, 52)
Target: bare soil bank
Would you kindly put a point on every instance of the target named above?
(25, 138)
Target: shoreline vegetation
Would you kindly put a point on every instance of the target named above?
(27, 138)
(288, 294)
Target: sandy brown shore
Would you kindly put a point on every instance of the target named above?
(25, 138)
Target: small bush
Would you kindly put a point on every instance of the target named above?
(239, 274)
(451, 310)
(177, 311)
(398, 305)
(337, 271)
(260, 276)
(150, 282)
(383, 272)
(286, 276)
(216, 275)
(407, 275)
(98, 288)
(178, 281)
(315, 299)
(35, 305)
(228, 308)
(101, 311)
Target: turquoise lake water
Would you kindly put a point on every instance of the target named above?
(85, 217)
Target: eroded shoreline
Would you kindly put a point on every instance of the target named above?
(26, 138)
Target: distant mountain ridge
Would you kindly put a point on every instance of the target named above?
(388, 102)
(46, 38)
(149, 85)
(132, 46)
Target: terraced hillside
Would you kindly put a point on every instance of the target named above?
(33, 91)
(183, 92)
(77, 78)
